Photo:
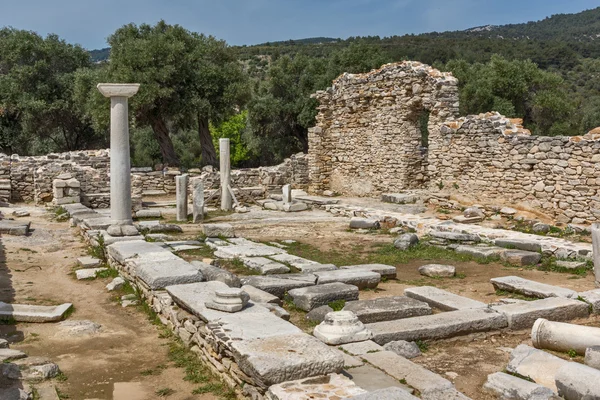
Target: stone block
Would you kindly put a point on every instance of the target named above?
(361, 279)
(386, 271)
(519, 244)
(578, 382)
(363, 223)
(332, 386)
(10, 354)
(515, 284)
(218, 230)
(510, 387)
(592, 297)
(67, 200)
(88, 262)
(123, 251)
(264, 265)
(307, 298)
(158, 274)
(387, 308)
(523, 315)
(391, 393)
(455, 236)
(260, 296)
(406, 241)
(276, 286)
(437, 270)
(294, 261)
(480, 251)
(15, 228)
(341, 327)
(249, 249)
(88, 273)
(592, 357)
(282, 358)
(539, 366)
(437, 326)
(571, 264)
(403, 348)
(28, 313)
(399, 198)
(461, 219)
(318, 314)
(521, 257)
(277, 310)
(442, 299)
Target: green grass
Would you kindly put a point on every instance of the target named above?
(423, 346)
(549, 264)
(572, 353)
(203, 252)
(108, 273)
(237, 267)
(98, 250)
(337, 305)
(61, 377)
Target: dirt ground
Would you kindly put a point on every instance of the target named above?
(37, 270)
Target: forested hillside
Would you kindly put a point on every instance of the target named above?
(196, 88)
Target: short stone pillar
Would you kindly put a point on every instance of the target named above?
(225, 171)
(596, 251)
(286, 194)
(228, 300)
(341, 327)
(66, 190)
(198, 202)
(120, 165)
(181, 190)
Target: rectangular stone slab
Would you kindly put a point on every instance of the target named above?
(264, 265)
(437, 326)
(122, 251)
(529, 288)
(387, 309)
(592, 297)
(275, 286)
(158, 274)
(507, 386)
(539, 366)
(480, 251)
(332, 386)
(523, 315)
(519, 244)
(311, 297)
(386, 271)
(282, 358)
(260, 296)
(247, 250)
(361, 279)
(27, 313)
(15, 228)
(98, 222)
(442, 299)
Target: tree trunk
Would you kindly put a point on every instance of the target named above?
(161, 132)
(209, 154)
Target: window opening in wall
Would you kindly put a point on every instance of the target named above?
(423, 123)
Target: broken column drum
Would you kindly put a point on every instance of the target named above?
(560, 336)
(341, 327)
(120, 166)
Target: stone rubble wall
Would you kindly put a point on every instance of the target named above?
(367, 138)
(29, 179)
(367, 142)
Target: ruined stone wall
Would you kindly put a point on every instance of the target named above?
(367, 139)
(492, 160)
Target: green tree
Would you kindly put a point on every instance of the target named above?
(38, 112)
(233, 128)
(187, 79)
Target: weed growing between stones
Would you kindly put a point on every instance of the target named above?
(423, 346)
(504, 293)
(572, 353)
(337, 305)
(203, 252)
(107, 273)
(97, 251)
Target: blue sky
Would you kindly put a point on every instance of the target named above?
(89, 22)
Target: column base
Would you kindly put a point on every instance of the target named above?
(122, 230)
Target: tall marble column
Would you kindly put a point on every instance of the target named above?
(596, 251)
(120, 166)
(226, 200)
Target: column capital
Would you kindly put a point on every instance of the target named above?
(118, 89)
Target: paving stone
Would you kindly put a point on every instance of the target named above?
(391, 393)
(311, 268)
(361, 348)
(97, 222)
(218, 230)
(519, 244)
(341, 327)
(386, 271)
(523, 315)
(331, 387)
(27, 313)
(212, 273)
(276, 286)
(442, 299)
(88, 273)
(437, 270)
(276, 359)
(387, 308)
(260, 296)
(88, 262)
(403, 348)
(116, 284)
(264, 265)
(122, 251)
(539, 366)
(247, 250)
(371, 378)
(575, 381)
(363, 223)
(571, 264)
(529, 288)
(307, 298)
(360, 279)
(160, 274)
(16, 228)
(521, 257)
(294, 261)
(10, 354)
(510, 387)
(455, 236)
(437, 326)
(416, 376)
(480, 251)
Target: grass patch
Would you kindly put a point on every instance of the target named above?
(572, 353)
(549, 264)
(108, 273)
(98, 250)
(203, 252)
(423, 346)
(61, 377)
(337, 305)
(61, 395)
(237, 267)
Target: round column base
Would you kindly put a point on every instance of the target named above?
(122, 230)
